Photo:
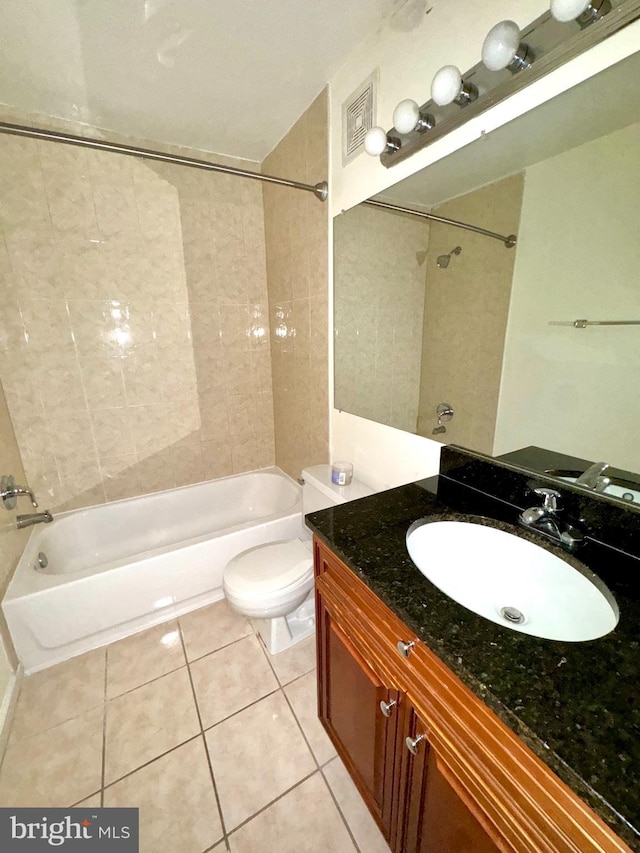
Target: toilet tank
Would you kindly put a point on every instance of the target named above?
(318, 492)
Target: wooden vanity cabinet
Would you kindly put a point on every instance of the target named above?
(437, 815)
(360, 710)
(472, 785)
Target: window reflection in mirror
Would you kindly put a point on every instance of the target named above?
(489, 329)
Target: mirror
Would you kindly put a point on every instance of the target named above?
(452, 335)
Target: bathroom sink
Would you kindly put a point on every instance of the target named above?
(512, 581)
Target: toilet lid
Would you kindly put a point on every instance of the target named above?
(268, 568)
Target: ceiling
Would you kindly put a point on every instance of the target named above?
(230, 77)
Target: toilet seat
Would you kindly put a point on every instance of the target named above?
(266, 570)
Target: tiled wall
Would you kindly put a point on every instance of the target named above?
(134, 342)
(297, 249)
(465, 315)
(12, 541)
(379, 284)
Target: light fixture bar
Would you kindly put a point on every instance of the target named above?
(552, 43)
(320, 190)
(509, 241)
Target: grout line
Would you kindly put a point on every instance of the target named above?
(104, 726)
(151, 760)
(340, 812)
(204, 740)
(213, 651)
(244, 708)
(275, 800)
(302, 731)
(145, 683)
(270, 659)
(77, 804)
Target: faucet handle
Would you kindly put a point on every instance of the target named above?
(9, 492)
(550, 498)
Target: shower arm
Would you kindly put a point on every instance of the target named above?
(509, 241)
(320, 190)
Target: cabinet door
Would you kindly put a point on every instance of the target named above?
(438, 816)
(364, 732)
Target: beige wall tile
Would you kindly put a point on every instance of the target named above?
(136, 294)
(297, 251)
(216, 457)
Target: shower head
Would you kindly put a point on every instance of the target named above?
(443, 260)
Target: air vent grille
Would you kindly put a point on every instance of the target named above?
(358, 113)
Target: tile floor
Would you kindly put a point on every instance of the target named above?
(216, 742)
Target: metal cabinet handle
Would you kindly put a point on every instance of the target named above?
(405, 648)
(387, 707)
(412, 744)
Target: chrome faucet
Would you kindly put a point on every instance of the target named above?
(544, 519)
(33, 518)
(593, 477)
(9, 492)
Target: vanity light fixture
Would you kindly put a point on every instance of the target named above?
(540, 48)
(376, 142)
(502, 48)
(585, 12)
(448, 87)
(408, 116)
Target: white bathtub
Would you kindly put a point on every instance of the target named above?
(116, 569)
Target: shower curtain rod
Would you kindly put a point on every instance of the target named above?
(509, 241)
(320, 190)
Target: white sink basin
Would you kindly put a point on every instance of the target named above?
(511, 581)
(626, 494)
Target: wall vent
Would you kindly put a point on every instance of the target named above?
(358, 115)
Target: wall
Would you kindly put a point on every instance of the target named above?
(407, 55)
(134, 337)
(379, 282)
(465, 316)
(297, 270)
(589, 268)
(12, 542)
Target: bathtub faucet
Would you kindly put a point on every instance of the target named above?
(9, 491)
(33, 518)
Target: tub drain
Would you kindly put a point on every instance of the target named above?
(42, 563)
(512, 614)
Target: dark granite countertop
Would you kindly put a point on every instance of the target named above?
(576, 705)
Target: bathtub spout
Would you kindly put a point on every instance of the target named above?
(33, 518)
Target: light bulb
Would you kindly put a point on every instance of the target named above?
(568, 10)
(446, 85)
(501, 45)
(375, 141)
(585, 12)
(406, 116)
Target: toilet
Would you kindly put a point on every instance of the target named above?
(272, 584)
